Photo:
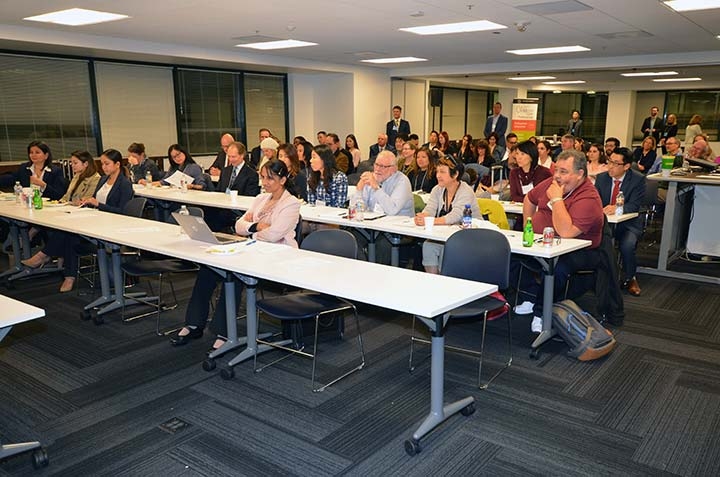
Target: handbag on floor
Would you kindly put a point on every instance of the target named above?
(585, 336)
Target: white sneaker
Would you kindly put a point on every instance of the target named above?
(536, 326)
(525, 308)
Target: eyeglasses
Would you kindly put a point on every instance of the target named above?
(615, 163)
(383, 166)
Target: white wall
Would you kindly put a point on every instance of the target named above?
(373, 107)
(620, 114)
(412, 96)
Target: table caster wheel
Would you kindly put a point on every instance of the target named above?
(412, 447)
(468, 410)
(40, 458)
(85, 315)
(209, 364)
(535, 353)
(98, 320)
(227, 373)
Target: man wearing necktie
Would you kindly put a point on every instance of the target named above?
(653, 125)
(239, 176)
(620, 177)
(396, 125)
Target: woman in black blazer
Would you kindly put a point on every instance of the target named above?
(113, 192)
(39, 171)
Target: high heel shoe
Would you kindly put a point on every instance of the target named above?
(67, 285)
(36, 261)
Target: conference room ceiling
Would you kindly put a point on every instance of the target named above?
(622, 35)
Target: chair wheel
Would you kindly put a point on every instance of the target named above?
(468, 410)
(209, 364)
(40, 458)
(535, 353)
(227, 373)
(85, 315)
(412, 447)
(98, 320)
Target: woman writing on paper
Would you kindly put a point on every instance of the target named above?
(272, 217)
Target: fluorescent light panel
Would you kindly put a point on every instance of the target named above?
(672, 80)
(530, 78)
(547, 51)
(400, 59)
(650, 73)
(77, 17)
(447, 28)
(692, 5)
(277, 45)
(565, 82)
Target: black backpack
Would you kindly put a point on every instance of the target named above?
(585, 336)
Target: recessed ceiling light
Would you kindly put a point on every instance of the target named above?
(462, 27)
(546, 51)
(591, 92)
(557, 91)
(565, 82)
(400, 59)
(530, 78)
(277, 45)
(76, 17)
(670, 80)
(692, 5)
(650, 73)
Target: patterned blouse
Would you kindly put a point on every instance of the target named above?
(334, 196)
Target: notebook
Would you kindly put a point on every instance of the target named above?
(197, 229)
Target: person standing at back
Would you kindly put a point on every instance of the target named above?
(574, 125)
(396, 125)
(653, 125)
(497, 123)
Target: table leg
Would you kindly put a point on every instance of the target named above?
(439, 411)
(105, 295)
(395, 252)
(667, 229)
(548, 292)
(17, 251)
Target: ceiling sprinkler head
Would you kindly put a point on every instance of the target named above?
(522, 26)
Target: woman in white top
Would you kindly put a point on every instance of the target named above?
(693, 129)
(544, 158)
(446, 204)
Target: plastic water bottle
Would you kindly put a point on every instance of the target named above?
(148, 179)
(183, 211)
(528, 234)
(467, 217)
(359, 210)
(183, 186)
(37, 199)
(18, 192)
(619, 204)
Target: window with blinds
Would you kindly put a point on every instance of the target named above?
(47, 100)
(209, 107)
(136, 103)
(265, 106)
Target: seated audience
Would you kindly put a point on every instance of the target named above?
(528, 173)
(85, 177)
(446, 204)
(272, 217)
(325, 182)
(39, 172)
(466, 152)
(446, 146)
(645, 155)
(113, 191)
(221, 159)
(406, 158)
(544, 155)
(288, 154)
(422, 173)
(351, 146)
(140, 165)
(496, 150)
(596, 161)
(237, 176)
(480, 161)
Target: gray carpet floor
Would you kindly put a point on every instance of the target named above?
(117, 400)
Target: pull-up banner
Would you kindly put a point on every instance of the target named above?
(524, 117)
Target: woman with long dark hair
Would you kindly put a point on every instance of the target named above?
(181, 160)
(39, 172)
(298, 187)
(422, 173)
(325, 182)
(528, 173)
(85, 177)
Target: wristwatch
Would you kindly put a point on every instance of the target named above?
(551, 202)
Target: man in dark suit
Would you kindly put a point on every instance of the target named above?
(396, 126)
(256, 153)
(381, 145)
(239, 176)
(497, 123)
(620, 177)
(653, 125)
(221, 159)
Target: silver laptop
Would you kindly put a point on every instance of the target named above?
(197, 229)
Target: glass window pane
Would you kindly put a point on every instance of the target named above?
(476, 117)
(453, 112)
(264, 106)
(208, 109)
(47, 100)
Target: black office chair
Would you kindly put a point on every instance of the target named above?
(303, 306)
(481, 255)
(161, 268)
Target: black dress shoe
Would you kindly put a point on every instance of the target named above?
(194, 334)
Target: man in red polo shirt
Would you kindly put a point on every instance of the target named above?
(569, 203)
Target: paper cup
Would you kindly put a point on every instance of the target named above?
(233, 195)
(667, 165)
(495, 196)
(429, 222)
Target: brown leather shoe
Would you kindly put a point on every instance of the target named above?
(633, 287)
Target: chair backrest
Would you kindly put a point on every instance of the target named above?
(331, 241)
(135, 207)
(495, 212)
(196, 211)
(482, 255)
(651, 193)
